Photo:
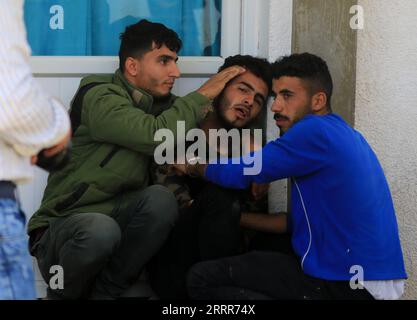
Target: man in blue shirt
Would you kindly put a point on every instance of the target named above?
(343, 225)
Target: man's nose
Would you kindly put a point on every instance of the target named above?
(276, 106)
(249, 99)
(175, 71)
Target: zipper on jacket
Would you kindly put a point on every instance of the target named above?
(109, 156)
(308, 224)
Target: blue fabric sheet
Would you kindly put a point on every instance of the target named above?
(93, 27)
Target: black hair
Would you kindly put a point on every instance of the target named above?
(308, 67)
(258, 66)
(138, 39)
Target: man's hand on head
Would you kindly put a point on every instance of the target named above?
(215, 85)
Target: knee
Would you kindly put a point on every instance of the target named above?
(100, 234)
(162, 208)
(199, 277)
(196, 275)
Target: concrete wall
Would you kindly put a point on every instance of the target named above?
(386, 109)
(322, 27)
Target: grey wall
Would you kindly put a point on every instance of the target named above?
(322, 27)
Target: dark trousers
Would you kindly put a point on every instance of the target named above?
(102, 256)
(209, 229)
(264, 275)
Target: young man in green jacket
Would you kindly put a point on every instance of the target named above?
(99, 218)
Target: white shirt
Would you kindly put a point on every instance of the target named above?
(30, 120)
(385, 289)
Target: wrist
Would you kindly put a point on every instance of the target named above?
(192, 167)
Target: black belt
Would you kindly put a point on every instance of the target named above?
(7, 190)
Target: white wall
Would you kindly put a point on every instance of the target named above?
(280, 30)
(386, 109)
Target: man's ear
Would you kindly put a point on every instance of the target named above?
(319, 102)
(131, 66)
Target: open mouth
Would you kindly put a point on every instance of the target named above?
(242, 112)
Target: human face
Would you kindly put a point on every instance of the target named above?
(292, 101)
(156, 71)
(242, 100)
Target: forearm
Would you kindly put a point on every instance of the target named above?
(272, 223)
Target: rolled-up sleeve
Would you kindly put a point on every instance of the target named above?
(30, 119)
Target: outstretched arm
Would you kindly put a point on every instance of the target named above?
(272, 223)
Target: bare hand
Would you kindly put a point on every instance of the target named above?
(50, 152)
(58, 147)
(33, 160)
(215, 85)
(259, 190)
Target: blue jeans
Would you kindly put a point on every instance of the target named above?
(16, 272)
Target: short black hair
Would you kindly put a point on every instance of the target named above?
(308, 67)
(260, 67)
(138, 39)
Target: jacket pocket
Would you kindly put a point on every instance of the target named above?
(73, 198)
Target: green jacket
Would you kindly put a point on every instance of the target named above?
(112, 148)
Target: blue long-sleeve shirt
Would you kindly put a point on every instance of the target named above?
(343, 215)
